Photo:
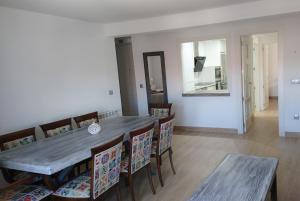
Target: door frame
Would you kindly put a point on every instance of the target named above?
(281, 126)
(163, 71)
(246, 122)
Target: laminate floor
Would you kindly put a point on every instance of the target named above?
(196, 155)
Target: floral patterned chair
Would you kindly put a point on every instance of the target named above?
(25, 193)
(84, 121)
(105, 175)
(14, 140)
(160, 110)
(139, 156)
(163, 144)
(87, 119)
(17, 190)
(57, 128)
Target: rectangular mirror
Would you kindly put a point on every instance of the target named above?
(154, 63)
(204, 67)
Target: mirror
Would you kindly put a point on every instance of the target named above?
(154, 63)
(204, 67)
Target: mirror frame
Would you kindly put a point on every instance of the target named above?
(163, 71)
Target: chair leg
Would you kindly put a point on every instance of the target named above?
(158, 164)
(118, 192)
(78, 170)
(130, 181)
(126, 182)
(150, 178)
(87, 166)
(171, 160)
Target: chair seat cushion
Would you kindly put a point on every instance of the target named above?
(26, 175)
(21, 176)
(25, 193)
(79, 187)
(124, 164)
(87, 122)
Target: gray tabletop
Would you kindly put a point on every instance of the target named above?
(238, 178)
(48, 156)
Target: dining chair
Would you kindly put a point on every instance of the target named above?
(13, 140)
(86, 120)
(25, 193)
(160, 110)
(108, 115)
(57, 127)
(20, 183)
(104, 175)
(139, 156)
(163, 144)
(54, 129)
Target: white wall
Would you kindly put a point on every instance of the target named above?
(251, 10)
(291, 70)
(52, 68)
(224, 112)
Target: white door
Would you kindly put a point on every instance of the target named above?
(247, 81)
(265, 77)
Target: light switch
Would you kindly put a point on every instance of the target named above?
(295, 81)
(110, 92)
(141, 86)
(296, 117)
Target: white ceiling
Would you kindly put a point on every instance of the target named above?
(106, 11)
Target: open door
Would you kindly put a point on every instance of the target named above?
(247, 81)
(126, 76)
(265, 78)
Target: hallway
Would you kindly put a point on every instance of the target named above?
(265, 125)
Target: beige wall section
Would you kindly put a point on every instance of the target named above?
(52, 68)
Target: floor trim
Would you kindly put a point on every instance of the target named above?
(273, 97)
(292, 134)
(206, 130)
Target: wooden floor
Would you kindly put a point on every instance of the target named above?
(196, 155)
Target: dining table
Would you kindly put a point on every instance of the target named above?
(51, 155)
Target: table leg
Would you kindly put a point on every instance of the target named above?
(274, 189)
(49, 182)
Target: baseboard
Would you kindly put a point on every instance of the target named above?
(292, 134)
(273, 97)
(206, 130)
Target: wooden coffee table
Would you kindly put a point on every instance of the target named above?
(240, 178)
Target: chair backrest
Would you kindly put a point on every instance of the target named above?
(106, 161)
(57, 127)
(109, 114)
(87, 119)
(140, 148)
(160, 110)
(166, 126)
(16, 139)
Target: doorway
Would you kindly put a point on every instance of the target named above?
(155, 75)
(126, 76)
(259, 76)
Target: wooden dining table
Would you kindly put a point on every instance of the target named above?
(51, 155)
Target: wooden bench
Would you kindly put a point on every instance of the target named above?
(240, 178)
